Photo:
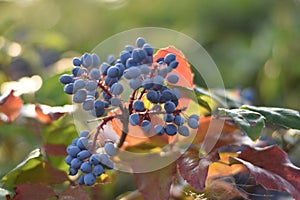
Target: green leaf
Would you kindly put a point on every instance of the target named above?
(249, 121)
(286, 118)
(33, 160)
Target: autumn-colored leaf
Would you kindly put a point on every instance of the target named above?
(34, 191)
(156, 184)
(55, 149)
(47, 117)
(183, 70)
(73, 193)
(271, 168)
(10, 106)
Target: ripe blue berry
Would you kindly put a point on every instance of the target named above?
(103, 68)
(86, 167)
(65, 79)
(169, 58)
(124, 55)
(76, 163)
(140, 42)
(72, 171)
(95, 60)
(171, 129)
(159, 129)
(111, 59)
(149, 49)
(79, 84)
(168, 117)
(195, 116)
(183, 130)
(79, 96)
(82, 143)
(68, 159)
(76, 62)
(95, 74)
(169, 106)
(193, 123)
(138, 105)
(147, 83)
(84, 133)
(110, 148)
(153, 96)
(113, 72)
(75, 71)
(98, 170)
(173, 64)
(68, 89)
(80, 180)
(178, 120)
(86, 60)
(89, 179)
(88, 104)
(115, 101)
(116, 89)
(84, 154)
(134, 119)
(73, 150)
(91, 85)
(146, 125)
(173, 78)
(135, 83)
(94, 159)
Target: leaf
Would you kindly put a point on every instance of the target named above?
(34, 191)
(287, 118)
(55, 149)
(156, 184)
(183, 69)
(249, 121)
(271, 168)
(10, 106)
(73, 193)
(194, 169)
(47, 117)
(33, 160)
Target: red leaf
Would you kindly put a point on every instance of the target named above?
(10, 106)
(43, 173)
(156, 184)
(34, 191)
(55, 149)
(73, 192)
(47, 118)
(194, 169)
(271, 168)
(183, 69)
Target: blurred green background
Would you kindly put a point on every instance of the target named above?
(255, 44)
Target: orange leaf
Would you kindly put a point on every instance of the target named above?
(183, 69)
(10, 106)
(46, 118)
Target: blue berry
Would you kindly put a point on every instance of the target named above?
(94, 159)
(86, 60)
(163, 71)
(169, 58)
(195, 116)
(76, 163)
(132, 72)
(80, 180)
(73, 150)
(74, 141)
(147, 83)
(111, 59)
(84, 154)
(173, 78)
(79, 84)
(84, 133)
(171, 129)
(169, 107)
(135, 83)
(86, 167)
(116, 89)
(89, 179)
(168, 117)
(145, 69)
(166, 95)
(124, 55)
(88, 104)
(95, 60)
(139, 106)
(113, 72)
(95, 74)
(146, 125)
(98, 170)
(129, 48)
(193, 123)
(103, 68)
(66, 79)
(140, 41)
(68, 159)
(183, 130)
(73, 171)
(79, 96)
(91, 85)
(110, 148)
(130, 63)
(76, 62)
(149, 49)
(152, 96)
(75, 71)
(159, 129)
(68, 89)
(82, 143)
(178, 120)
(103, 159)
(173, 64)
(110, 81)
(134, 119)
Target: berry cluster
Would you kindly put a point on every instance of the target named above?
(97, 88)
(88, 165)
